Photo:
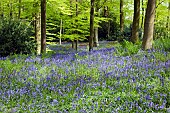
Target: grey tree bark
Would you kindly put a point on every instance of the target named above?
(96, 36)
(149, 25)
(61, 24)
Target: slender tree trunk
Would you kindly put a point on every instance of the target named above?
(73, 41)
(19, 9)
(136, 18)
(143, 14)
(168, 22)
(96, 41)
(1, 10)
(11, 10)
(76, 41)
(121, 17)
(106, 15)
(108, 30)
(43, 26)
(149, 25)
(73, 44)
(96, 36)
(157, 24)
(143, 11)
(91, 26)
(61, 24)
(37, 28)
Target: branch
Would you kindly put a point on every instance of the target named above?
(159, 3)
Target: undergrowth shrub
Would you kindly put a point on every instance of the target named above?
(15, 38)
(162, 43)
(128, 48)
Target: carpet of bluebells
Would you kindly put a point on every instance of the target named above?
(101, 81)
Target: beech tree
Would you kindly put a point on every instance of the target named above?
(136, 18)
(168, 22)
(91, 25)
(149, 25)
(43, 26)
(143, 10)
(37, 25)
(19, 9)
(121, 16)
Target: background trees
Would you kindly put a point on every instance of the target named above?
(71, 20)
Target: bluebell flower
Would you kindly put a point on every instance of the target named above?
(1, 70)
(118, 98)
(55, 102)
(59, 91)
(162, 106)
(151, 104)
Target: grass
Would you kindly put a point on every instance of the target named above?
(102, 81)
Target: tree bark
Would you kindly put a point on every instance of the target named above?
(168, 22)
(96, 41)
(37, 28)
(43, 26)
(121, 17)
(143, 11)
(91, 26)
(106, 15)
(61, 24)
(73, 41)
(1, 10)
(11, 9)
(19, 9)
(149, 25)
(76, 41)
(136, 18)
(96, 34)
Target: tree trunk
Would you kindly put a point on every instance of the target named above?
(143, 11)
(61, 24)
(96, 41)
(106, 15)
(91, 26)
(149, 25)
(73, 42)
(37, 28)
(96, 29)
(136, 18)
(76, 41)
(43, 26)
(11, 9)
(19, 9)
(108, 30)
(121, 17)
(1, 10)
(168, 22)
